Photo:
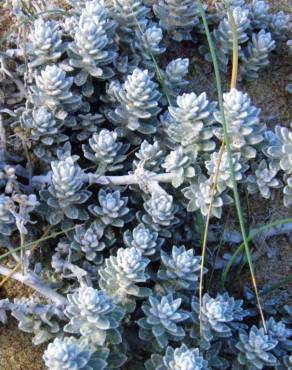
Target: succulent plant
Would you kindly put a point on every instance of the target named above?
(179, 165)
(41, 320)
(173, 78)
(138, 103)
(177, 17)
(52, 90)
(112, 209)
(280, 332)
(105, 151)
(287, 192)
(259, 14)
(180, 270)
(8, 179)
(224, 176)
(117, 276)
(160, 209)
(45, 43)
(93, 315)
(188, 123)
(121, 274)
(281, 149)
(255, 349)
(279, 25)
(217, 316)
(288, 362)
(223, 34)
(130, 16)
(7, 221)
(263, 180)
(85, 125)
(199, 195)
(42, 124)
(151, 155)
(88, 240)
(221, 6)
(243, 124)
(162, 321)
(92, 49)
(45, 131)
(178, 359)
(256, 54)
(65, 193)
(143, 239)
(147, 43)
(71, 353)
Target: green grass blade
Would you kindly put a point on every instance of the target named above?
(240, 249)
(229, 155)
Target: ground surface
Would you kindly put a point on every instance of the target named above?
(268, 93)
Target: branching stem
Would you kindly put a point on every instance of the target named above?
(34, 282)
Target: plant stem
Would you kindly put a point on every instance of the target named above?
(93, 178)
(35, 283)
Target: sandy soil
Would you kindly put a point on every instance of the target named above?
(268, 93)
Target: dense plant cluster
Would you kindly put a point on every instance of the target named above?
(113, 153)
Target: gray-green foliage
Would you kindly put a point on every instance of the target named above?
(180, 165)
(279, 25)
(138, 100)
(199, 197)
(173, 78)
(162, 321)
(217, 316)
(224, 176)
(257, 29)
(151, 155)
(263, 180)
(243, 124)
(143, 239)
(178, 359)
(89, 241)
(94, 316)
(41, 320)
(71, 353)
(45, 131)
(259, 14)
(287, 192)
(178, 17)
(122, 273)
(52, 90)
(180, 270)
(160, 211)
(45, 43)
(130, 15)
(108, 161)
(189, 123)
(106, 151)
(280, 150)
(92, 50)
(7, 221)
(112, 209)
(223, 34)
(255, 349)
(255, 56)
(147, 44)
(65, 194)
